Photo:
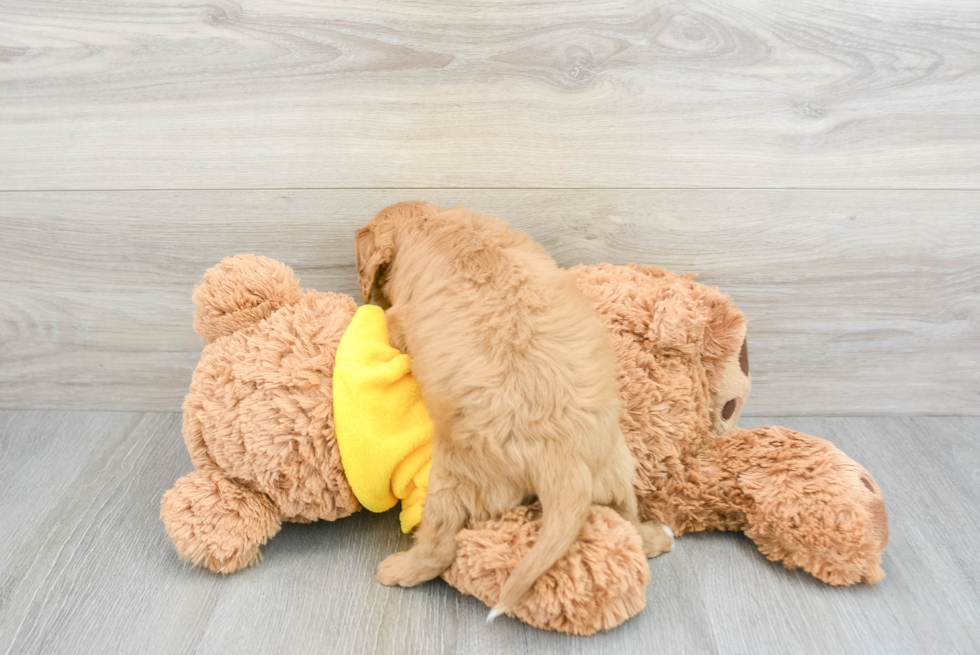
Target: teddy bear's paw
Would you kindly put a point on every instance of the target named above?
(234, 562)
(407, 569)
(873, 574)
(657, 538)
(217, 523)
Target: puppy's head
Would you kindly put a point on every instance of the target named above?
(374, 243)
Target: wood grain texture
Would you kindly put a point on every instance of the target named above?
(604, 93)
(86, 567)
(859, 302)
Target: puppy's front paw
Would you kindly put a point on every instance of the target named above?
(403, 569)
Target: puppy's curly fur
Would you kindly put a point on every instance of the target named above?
(519, 376)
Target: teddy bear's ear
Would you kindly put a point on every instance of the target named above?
(242, 291)
(373, 245)
(725, 329)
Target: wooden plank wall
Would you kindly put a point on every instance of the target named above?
(819, 160)
(859, 302)
(611, 93)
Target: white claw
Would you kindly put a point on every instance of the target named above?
(494, 613)
(670, 533)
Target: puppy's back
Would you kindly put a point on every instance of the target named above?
(501, 323)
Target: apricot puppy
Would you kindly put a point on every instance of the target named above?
(518, 375)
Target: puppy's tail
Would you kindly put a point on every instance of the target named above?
(565, 499)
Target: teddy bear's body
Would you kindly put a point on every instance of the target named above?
(258, 423)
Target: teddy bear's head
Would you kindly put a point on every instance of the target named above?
(683, 362)
(260, 406)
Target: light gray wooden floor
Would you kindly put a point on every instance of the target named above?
(86, 567)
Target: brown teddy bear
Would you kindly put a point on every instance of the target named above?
(259, 425)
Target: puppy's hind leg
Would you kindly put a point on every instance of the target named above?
(615, 489)
(657, 537)
(435, 541)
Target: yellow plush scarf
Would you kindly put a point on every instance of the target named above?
(383, 430)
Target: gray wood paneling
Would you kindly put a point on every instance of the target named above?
(85, 565)
(608, 93)
(859, 302)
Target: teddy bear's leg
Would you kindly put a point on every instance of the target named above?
(217, 523)
(599, 583)
(805, 502)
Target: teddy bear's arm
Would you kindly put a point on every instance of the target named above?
(218, 523)
(804, 502)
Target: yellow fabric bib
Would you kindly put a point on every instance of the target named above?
(383, 429)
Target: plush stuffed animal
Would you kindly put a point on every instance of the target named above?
(259, 423)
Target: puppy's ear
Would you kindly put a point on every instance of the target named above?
(373, 246)
(374, 243)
